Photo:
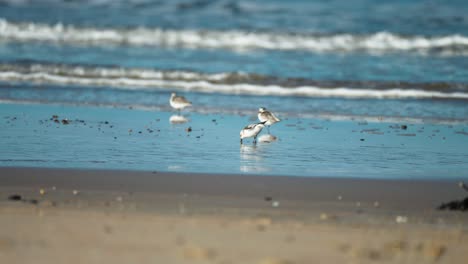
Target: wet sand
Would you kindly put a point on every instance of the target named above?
(102, 216)
(67, 136)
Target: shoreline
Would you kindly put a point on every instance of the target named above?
(406, 194)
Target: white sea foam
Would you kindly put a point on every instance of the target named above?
(129, 79)
(231, 39)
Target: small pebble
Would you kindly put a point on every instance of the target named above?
(275, 204)
(268, 198)
(401, 219)
(42, 191)
(188, 129)
(75, 192)
(339, 198)
(376, 204)
(323, 216)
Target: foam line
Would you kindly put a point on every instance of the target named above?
(230, 39)
(118, 78)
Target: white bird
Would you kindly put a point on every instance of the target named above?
(179, 102)
(251, 130)
(267, 117)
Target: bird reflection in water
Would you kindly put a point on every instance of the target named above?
(178, 119)
(252, 157)
(268, 138)
(249, 152)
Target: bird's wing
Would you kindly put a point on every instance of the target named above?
(181, 99)
(250, 126)
(272, 116)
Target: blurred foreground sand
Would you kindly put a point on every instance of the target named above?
(105, 216)
(85, 226)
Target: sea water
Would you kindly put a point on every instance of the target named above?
(363, 88)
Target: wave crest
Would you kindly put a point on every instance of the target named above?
(233, 39)
(227, 83)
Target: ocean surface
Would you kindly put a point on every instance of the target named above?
(375, 89)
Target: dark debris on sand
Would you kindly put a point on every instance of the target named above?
(15, 197)
(55, 119)
(65, 121)
(456, 205)
(19, 198)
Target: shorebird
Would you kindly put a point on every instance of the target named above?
(267, 117)
(179, 102)
(251, 130)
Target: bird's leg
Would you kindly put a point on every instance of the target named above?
(241, 141)
(255, 140)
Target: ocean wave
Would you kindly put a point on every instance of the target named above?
(226, 83)
(231, 39)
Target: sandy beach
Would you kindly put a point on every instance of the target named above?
(103, 216)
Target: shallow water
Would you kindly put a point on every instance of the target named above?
(147, 140)
(336, 72)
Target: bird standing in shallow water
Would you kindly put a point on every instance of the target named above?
(251, 130)
(179, 102)
(267, 117)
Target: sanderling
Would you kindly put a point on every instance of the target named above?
(179, 102)
(251, 130)
(267, 117)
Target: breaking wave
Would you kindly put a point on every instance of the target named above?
(226, 83)
(231, 39)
